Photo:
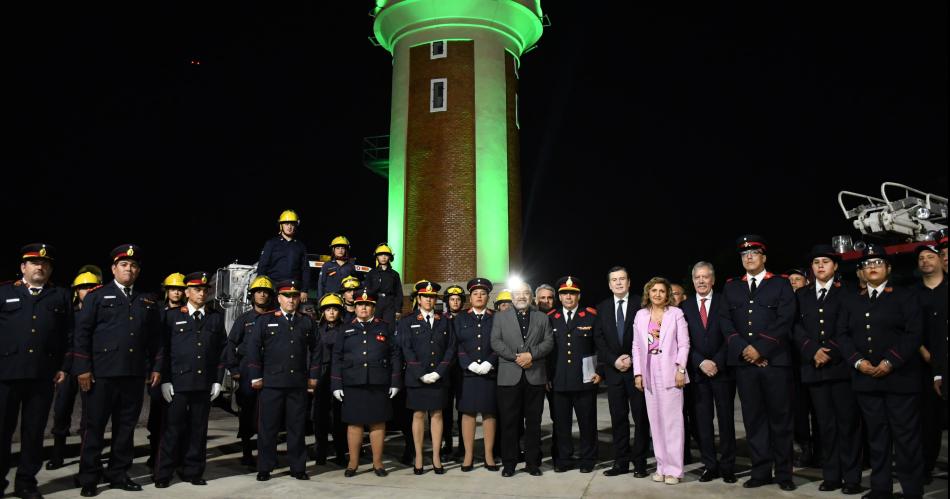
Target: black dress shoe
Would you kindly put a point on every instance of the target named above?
(615, 471)
(640, 473)
(162, 484)
(128, 485)
(54, 463)
(755, 482)
(263, 476)
(198, 481)
(561, 468)
(466, 469)
(380, 472)
(439, 471)
(418, 471)
(350, 472)
(302, 475)
(827, 486)
(729, 477)
(787, 485)
(89, 491)
(708, 476)
(28, 493)
(508, 472)
(852, 488)
(535, 472)
(587, 468)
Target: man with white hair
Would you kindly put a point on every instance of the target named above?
(522, 338)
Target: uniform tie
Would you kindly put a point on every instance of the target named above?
(429, 320)
(35, 291)
(128, 292)
(752, 286)
(197, 315)
(570, 315)
(821, 295)
(703, 314)
(873, 295)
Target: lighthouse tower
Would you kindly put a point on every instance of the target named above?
(454, 182)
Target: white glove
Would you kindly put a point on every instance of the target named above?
(215, 390)
(432, 377)
(392, 392)
(475, 368)
(168, 391)
(338, 394)
(485, 368)
(427, 378)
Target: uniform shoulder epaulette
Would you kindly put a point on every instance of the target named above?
(419, 317)
(592, 310)
(96, 288)
(184, 309)
(278, 313)
(18, 282)
(837, 284)
(769, 275)
(552, 311)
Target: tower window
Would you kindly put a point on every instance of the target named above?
(437, 49)
(437, 95)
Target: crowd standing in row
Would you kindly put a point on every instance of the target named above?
(870, 360)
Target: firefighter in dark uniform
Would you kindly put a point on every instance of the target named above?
(826, 374)
(429, 351)
(937, 329)
(36, 323)
(174, 287)
(932, 293)
(326, 410)
(284, 257)
(261, 295)
(757, 322)
(476, 392)
(339, 267)
(385, 283)
(454, 299)
(574, 330)
(284, 359)
(366, 373)
(118, 339)
(347, 287)
(66, 392)
(806, 431)
(192, 371)
(881, 330)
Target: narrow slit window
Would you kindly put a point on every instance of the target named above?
(437, 49)
(437, 95)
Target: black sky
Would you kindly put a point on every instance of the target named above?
(651, 135)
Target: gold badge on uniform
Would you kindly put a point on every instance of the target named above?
(131, 252)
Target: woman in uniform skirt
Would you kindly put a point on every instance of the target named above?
(429, 349)
(365, 374)
(327, 415)
(478, 362)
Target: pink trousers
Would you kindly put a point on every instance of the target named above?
(665, 410)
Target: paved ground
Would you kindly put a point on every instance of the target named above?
(228, 479)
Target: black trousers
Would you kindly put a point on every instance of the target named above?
(30, 401)
(119, 399)
(690, 430)
(186, 421)
(521, 403)
(893, 422)
(932, 409)
(276, 406)
(327, 421)
(625, 400)
(63, 405)
(807, 429)
(583, 403)
(247, 401)
(840, 430)
(552, 415)
(157, 407)
(766, 394)
(716, 398)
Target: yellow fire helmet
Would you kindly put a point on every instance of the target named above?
(288, 216)
(331, 300)
(175, 280)
(384, 249)
(339, 241)
(261, 282)
(86, 279)
(350, 282)
(504, 296)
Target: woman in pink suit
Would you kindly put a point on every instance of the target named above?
(660, 351)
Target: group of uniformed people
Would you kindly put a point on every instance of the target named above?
(355, 363)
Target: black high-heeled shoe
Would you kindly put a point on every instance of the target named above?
(350, 472)
(418, 471)
(492, 467)
(468, 468)
(439, 471)
(380, 472)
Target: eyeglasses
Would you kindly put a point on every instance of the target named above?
(876, 262)
(750, 252)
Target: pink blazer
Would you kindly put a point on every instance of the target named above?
(674, 344)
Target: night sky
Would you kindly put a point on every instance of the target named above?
(651, 136)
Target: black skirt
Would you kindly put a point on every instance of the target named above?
(366, 404)
(426, 398)
(477, 395)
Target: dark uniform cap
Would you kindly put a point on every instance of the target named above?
(479, 283)
(37, 250)
(127, 252)
(796, 270)
(361, 295)
(926, 247)
(454, 291)
(823, 250)
(427, 288)
(873, 251)
(750, 242)
(568, 284)
(197, 279)
(288, 287)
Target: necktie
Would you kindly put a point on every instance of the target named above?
(821, 295)
(874, 295)
(35, 291)
(570, 315)
(197, 315)
(128, 292)
(290, 318)
(703, 314)
(429, 321)
(620, 321)
(753, 286)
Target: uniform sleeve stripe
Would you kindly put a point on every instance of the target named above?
(768, 337)
(896, 354)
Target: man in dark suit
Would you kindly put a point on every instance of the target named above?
(826, 375)
(756, 318)
(932, 293)
(712, 382)
(614, 343)
(522, 338)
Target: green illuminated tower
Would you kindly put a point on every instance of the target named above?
(454, 181)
